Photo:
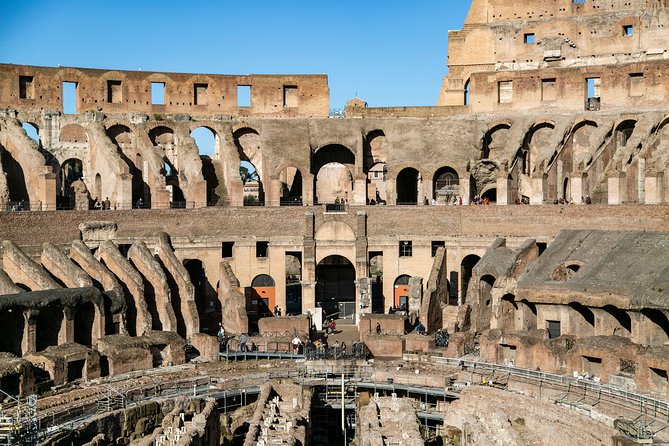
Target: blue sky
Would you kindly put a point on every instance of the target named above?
(389, 53)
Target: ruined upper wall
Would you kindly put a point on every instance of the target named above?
(508, 36)
(25, 87)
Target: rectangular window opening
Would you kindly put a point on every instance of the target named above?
(505, 92)
(406, 249)
(289, 96)
(593, 87)
(114, 95)
(226, 249)
(262, 249)
(528, 39)
(157, 93)
(436, 245)
(628, 30)
(553, 329)
(26, 87)
(637, 84)
(243, 95)
(548, 92)
(200, 94)
(69, 98)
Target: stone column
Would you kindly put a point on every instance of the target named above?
(66, 334)
(653, 187)
(464, 191)
(273, 194)
(360, 190)
(308, 189)
(29, 341)
(504, 191)
(537, 196)
(309, 264)
(616, 183)
(577, 186)
(560, 185)
(391, 194)
(428, 190)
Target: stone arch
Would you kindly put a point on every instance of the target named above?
(467, 92)
(466, 271)
(73, 133)
(624, 131)
(375, 149)
(407, 186)
(16, 179)
(656, 328)
(623, 319)
(333, 167)
(32, 131)
(263, 292)
(494, 141)
(582, 320)
(527, 315)
(292, 185)
(248, 143)
(536, 140)
(507, 312)
(401, 291)
(124, 138)
(335, 287)
(71, 170)
(446, 184)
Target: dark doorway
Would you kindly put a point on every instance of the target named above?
(49, 322)
(407, 186)
(466, 267)
(75, 370)
(12, 323)
(83, 324)
(335, 287)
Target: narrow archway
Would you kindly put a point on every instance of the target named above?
(333, 167)
(401, 292)
(13, 324)
(407, 186)
(49, 323)
(291, 187)
(446, 185)
(70, 171)
(335, 287)
(261, 296)
(466, 267)
(293, 283)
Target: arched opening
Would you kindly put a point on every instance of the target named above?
(293, 283)
(401, 292)
(582, 320)
(16, 181)
(208, 143)
(32, 131)
(407, 186)
(484, 305)
(333, 168)
(466, 267)
(624, 132)
(528, 315)
(209, 312)
(49, 322)
(70, 171)
(291, 186)
(535, 142)
(13, 324)
(494, 142)
(251, 170)
(254, 194)
(566, 190)
(335, 287)
(376, 275)
(124, 140)
(376, 184)
(446, 185)
(507, 313)
(83, 324)
(623, 319)
(489, 196)
(375, 154)
(260, 297)
(98, 186)
(658, 332)
(73, 133)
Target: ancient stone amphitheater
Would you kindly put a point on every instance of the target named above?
(497, 265)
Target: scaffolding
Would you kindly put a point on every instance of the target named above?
(19, 424)
(110, 399)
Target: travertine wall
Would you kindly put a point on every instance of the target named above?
(31, 87)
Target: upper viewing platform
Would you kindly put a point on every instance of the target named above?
(25, 87)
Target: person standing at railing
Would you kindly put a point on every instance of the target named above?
(242, 342)
(296, 342)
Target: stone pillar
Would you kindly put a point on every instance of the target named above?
(66, 334)
(577, 180)
(616, 183)
(273, 194)
(29, 341)
(537, 196)
(641, 181)
(236, 193)
(464, 191)
(653, 188)
(360, 190)
(309, 265)
(428, 190)
(308, 189)
(391, 194)
(47, 192)
(560, 185)
(504, 191)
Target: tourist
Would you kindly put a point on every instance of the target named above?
(296, 342)
(140, 203)
(336, 348)
(242, 342)
(378, 328)
(106, 205)
(96, 205)
(588, 200)
(343, 348)
(420, 329)
(276, 310)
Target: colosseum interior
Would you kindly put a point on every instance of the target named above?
(495, 264)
